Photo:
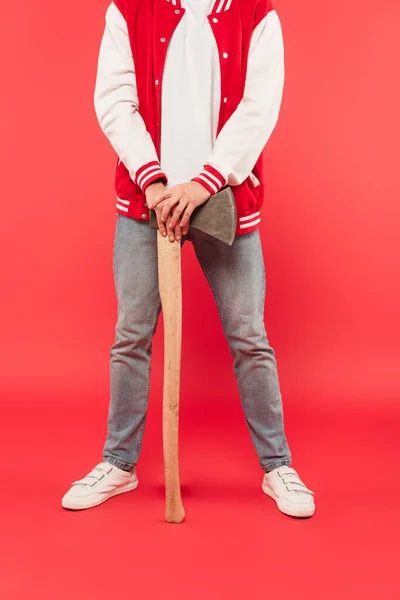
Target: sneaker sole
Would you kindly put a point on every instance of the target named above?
(79, 504)
(291, 511)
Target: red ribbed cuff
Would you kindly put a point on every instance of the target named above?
(149, 173)
(211, 179)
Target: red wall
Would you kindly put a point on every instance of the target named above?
(330, 221)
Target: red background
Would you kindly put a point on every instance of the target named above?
(330, 234)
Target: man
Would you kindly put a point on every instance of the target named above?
(188, 93)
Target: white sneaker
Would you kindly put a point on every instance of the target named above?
(291, 495)
(102, 483)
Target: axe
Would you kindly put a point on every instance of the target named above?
(216, 217)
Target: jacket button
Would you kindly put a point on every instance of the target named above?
(225, 100)
(144, 216)
(157, 82)
(215, 20)
(163, 40)
(225, 55)
(177, 12)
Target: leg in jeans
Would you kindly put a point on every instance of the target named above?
(236, 276)
(136, 285)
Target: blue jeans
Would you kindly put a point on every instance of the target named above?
(236, 276)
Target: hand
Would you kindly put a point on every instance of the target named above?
(155, 192)
(185, 197)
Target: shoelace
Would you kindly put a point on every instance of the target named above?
(295, 483)
(86, 480)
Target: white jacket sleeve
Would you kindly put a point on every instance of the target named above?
(243, 137)
(116, 103)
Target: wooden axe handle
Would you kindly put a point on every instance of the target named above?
(170, 286)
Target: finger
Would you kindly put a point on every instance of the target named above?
(161, 225)
(178, 232)
(171, 232)
(156, 200)
(186, 215)
(177, 211)
(185, 229)
(169, 204)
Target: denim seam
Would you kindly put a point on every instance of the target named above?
(142, 425)
(110, 459)
(140, 438)
(277, 463)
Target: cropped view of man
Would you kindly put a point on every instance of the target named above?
(188, 93)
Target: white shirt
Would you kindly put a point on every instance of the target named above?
(191, 86)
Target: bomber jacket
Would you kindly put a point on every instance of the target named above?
(131, 89)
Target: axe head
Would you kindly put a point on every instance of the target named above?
(216, 217)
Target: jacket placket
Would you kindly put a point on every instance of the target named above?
(167, 17)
